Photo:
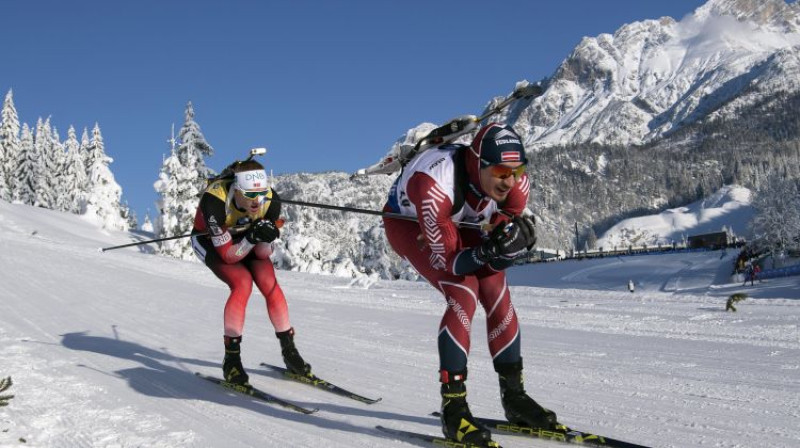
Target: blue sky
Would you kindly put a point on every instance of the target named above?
(325, 85)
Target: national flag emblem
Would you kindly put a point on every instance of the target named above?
(510, 156)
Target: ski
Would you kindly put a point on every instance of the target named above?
(562, 433)
(257, 394)
(435, 440)
(319, 383)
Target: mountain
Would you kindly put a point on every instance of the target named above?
(652, 77)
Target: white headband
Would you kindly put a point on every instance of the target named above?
(255, 180)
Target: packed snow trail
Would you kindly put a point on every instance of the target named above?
(102, 348)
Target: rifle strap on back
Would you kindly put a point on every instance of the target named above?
(459, 179)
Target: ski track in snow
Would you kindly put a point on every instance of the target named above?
(103, 348)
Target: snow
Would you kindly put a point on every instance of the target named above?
(102, 348)
(728, 208)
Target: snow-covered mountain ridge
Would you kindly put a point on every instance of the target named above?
(651, 77)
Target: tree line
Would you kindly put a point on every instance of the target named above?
(37, 168)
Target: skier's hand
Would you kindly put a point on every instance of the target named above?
(263, 231)
(509, 241)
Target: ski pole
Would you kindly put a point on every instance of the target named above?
(260, 151)
(233, 230)
(467, 225)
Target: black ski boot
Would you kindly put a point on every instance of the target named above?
(291, 357)
(520, 408)
(457, 421)
(232, 369)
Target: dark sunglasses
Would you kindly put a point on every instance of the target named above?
(504, 172)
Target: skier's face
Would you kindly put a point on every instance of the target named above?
(498, 180)
(250, 205)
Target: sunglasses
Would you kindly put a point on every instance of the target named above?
(504, 172)
(253, 194)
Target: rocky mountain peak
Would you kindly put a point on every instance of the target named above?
(776, 13)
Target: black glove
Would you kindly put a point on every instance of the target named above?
(263, 231)
(509, 241)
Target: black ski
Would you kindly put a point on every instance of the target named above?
(435, 440)
(562, 433)
(319, 383)
(257, 394)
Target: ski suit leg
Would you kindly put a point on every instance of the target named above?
(238, 278)
(502, 326)
(264, 276)
(460, 292)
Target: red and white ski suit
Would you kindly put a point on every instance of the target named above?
(445, 254)
(236, 261)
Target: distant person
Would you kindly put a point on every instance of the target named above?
(241, 260)
(485, 183)
(631, 286)
(757, 272)
(749, 274)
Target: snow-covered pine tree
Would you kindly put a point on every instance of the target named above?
(128, 215)
(776, 224)
(61, 195)
(25, 175)
(9, 146)
(103, 200)
(75, 178)
(182, 178)
(168, 188)
(193, 148)
(147, 225)
(86, 155)
(41, 197)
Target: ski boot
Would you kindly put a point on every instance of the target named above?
(232, 369)
(291, 357)
(457, 421)
(520, 408)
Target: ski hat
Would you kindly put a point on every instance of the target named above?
(253, 180)
(494, 144)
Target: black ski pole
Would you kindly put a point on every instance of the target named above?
(234, 230)
(468, 225)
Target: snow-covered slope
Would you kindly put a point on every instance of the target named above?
(102, 348)
(729, 208)
(650, 77)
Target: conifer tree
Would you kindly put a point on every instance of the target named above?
(147, 225)
(776, 224)
(168, 187)
(9, 146)
(58, 163)
(25, 178)
(43, 142)
(86, 151)
(103, 200)
(75, 178)
(182, 179)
